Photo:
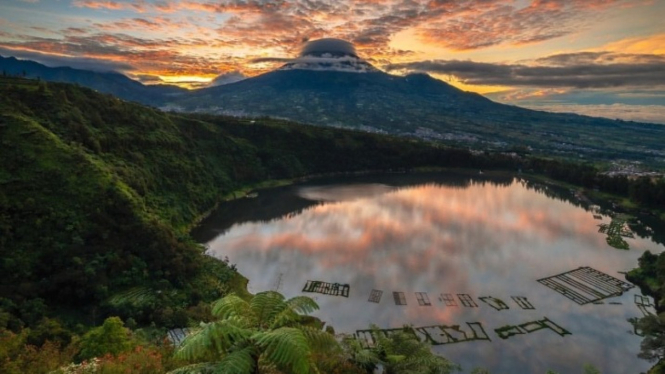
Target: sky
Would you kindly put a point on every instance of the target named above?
(596, 57)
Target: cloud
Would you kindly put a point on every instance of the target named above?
(148, 79)
(260, 60)
(227, 78)
(643, 44)
(138, 5)
(151, 55)
(602, 57)
(203, 37)
(579, 70)
(370, 24)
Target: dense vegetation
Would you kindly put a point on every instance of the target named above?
(650, 277)
(97, 196)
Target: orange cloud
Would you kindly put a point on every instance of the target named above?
(139, 5)
(652, 44)
(202, 34)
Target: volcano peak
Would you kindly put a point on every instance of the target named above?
(329, 54)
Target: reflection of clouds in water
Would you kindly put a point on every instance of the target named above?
(482, 240)
(343, 192)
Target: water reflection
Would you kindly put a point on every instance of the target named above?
(344, 193)
(466, 237)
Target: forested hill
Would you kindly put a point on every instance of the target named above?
(108, 82)
(97, 196)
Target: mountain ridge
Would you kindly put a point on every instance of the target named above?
(415, 105)
(110, 82)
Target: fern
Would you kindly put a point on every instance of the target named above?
(302, 304)
(266, 306)
(237, 362)
(319, 340)
(289, 312)
(231, 306)
(214, 337)
(262, 334)
(287, 347)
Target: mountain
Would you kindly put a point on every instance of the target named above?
(107, 82)
(328, 84)
(420, 106)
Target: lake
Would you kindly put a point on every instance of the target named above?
(457, 249)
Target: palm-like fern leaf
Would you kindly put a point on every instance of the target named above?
(290, 311)
(231, 306)
(287, 347)
(266, 306)
(302, 304)
(237, 362)
(214, 337)
(257, 335)
(319, 340)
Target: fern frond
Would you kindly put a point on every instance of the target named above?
(287, 347)
(366, 358)
(319, 340)
(266, 306)
(213, 338)
(237, 362)
(231, 306)
(302, 304)
(289, 313)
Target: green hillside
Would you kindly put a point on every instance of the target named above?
(97, 195)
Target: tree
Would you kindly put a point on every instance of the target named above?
(261, 335)
(652, 327)
(111, 337)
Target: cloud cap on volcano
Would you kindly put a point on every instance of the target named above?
(325, 54)
(329, 46)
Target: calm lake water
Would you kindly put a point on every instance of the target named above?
(443, 234)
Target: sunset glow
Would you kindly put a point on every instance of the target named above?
(494, 46)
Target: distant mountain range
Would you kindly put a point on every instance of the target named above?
(343, 92)
(107, 82)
